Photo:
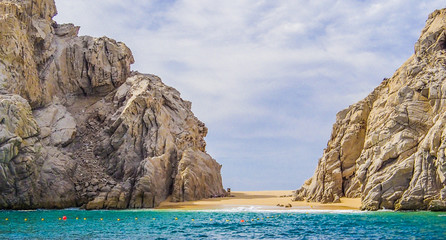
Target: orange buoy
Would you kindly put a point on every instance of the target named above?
(242, 220)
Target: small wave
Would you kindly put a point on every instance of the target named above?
(386, 210)
(72, 209)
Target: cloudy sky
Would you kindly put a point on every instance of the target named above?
(266, 76)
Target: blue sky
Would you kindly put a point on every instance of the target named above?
(266, 77)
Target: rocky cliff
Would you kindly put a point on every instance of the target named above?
(389, 148)
(78, 128)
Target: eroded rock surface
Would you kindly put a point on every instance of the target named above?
(154, 145)
(78, 128)
(389, 148)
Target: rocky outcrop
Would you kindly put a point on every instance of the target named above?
(154, 145)
(389, 148)
(78, 128)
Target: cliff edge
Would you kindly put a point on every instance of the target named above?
(389, 148)
(79, 128)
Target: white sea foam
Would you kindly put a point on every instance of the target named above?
(73, 209)
(386, 210)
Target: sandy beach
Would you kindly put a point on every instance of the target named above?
(260, 199)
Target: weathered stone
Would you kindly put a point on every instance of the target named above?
(98, 202)
(64, 97)
(55, 183)
(155, 143)
(196, 177)
(58, 124)
(437, 205)
(388, 148)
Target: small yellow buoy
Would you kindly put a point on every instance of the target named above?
(77, 218)
(60, 219)
(227, 220)
(26, 219)
(153, 218)
(102, 219)
(43, 219)
(210, 219)
(176, 218)
(119, 219)
(85, 219)
(136, 218)
(193, 219)
(6, 219)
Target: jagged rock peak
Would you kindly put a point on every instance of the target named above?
(79, 128)
(389, 148)
(41, 59)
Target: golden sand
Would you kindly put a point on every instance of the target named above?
(260, 199)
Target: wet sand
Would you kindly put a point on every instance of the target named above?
(267, 200)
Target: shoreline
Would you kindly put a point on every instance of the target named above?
(259, 200)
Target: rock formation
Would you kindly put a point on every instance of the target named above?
(78, 128)
(389, 148)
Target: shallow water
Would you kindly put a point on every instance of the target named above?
(222, 224)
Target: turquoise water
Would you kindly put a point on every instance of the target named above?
(153, 224)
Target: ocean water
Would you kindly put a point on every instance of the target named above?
(238, 223)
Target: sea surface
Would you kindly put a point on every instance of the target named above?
(237, 223)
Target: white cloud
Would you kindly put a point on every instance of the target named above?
(262, 70)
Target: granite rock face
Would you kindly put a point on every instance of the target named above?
(153, 144)
(389, 148)
(78, 128)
